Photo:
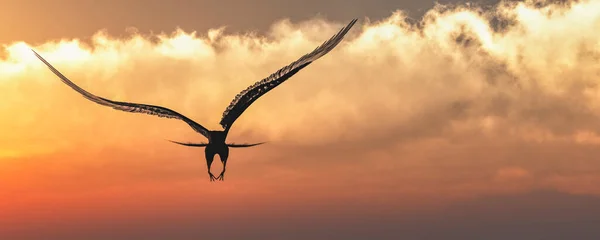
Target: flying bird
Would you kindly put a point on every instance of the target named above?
(216, 139)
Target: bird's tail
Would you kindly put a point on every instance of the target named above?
(233, 145)
(190, 144)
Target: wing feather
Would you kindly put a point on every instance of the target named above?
(125, 106)
(245, 98)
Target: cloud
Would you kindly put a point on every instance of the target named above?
(467, 102)
(419, 80)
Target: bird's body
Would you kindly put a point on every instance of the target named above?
(216, 145)
(217, 139)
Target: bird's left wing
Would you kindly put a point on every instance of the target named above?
(244, 99)
(125, 106)
(190, 144)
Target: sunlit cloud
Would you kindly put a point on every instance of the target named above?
(467, 102)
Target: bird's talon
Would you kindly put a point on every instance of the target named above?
(212, 177)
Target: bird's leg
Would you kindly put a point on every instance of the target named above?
(209, 159)
(222, 175)
(224, 155)
(212, 177)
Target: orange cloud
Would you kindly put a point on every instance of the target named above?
(398, 115)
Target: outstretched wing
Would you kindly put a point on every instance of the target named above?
(125, 106)
(243, 145)
(245, 98)
(232, 145)
(191, 144)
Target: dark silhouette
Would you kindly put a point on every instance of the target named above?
(216, 139)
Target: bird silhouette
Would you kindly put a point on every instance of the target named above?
(216, 139)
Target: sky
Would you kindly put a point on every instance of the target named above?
(447, 121)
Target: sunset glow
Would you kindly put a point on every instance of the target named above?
(398, 118)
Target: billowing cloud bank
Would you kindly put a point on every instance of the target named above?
(519, 69)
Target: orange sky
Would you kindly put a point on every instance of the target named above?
(453, 129)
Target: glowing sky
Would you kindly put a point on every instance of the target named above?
(472, 123)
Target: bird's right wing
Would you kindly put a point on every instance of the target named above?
(244, 99)
(243, 145)
(125, 106)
